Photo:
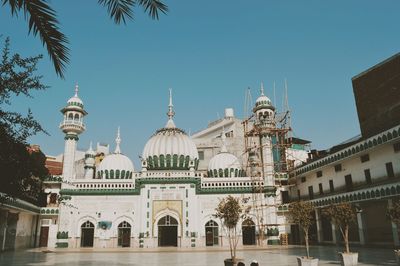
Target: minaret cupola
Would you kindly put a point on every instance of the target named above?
(264, 110)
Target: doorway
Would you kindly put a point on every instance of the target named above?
(167, 232)
(124, 234)
(87, 234)
(248, 232)
(211, 233)
(44, 236)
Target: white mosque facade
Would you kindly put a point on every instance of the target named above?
(169, 201)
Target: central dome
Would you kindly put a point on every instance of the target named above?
(170, 148)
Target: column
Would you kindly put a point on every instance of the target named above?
(319, 225)
(362, 229)
(334, 233)
(395, 229)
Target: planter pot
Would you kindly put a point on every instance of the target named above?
(229, 262)
(348, 259)
(397, 254)
(303, 261)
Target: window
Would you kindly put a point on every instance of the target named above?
(321, 190)
(331, 187)
(367, 174)
(338, 167)
(285, 197)
(201, 155)
(396, 147)
(364, 158)
(298, 194)
(349, 183)
(389, 169)
(303, 179)
(319, 173)
(310, 192)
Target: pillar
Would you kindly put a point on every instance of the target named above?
(334, 234)
(319, 225)
(362, 229)
(395, 230)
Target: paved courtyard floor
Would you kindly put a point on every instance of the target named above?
(198, 256)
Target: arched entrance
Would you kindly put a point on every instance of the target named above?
(211, 233)
(87, 234)
(167, 232)
(248, 232)
(124, 234)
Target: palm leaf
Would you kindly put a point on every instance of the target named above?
(42, 20)
(153, 7)
(119, 9)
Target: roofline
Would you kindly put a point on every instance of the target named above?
(375, 66)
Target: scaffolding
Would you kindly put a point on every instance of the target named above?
(278, 130)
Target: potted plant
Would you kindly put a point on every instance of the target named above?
(230, 210)
(343, 215)
(393, 213)
(300, 213)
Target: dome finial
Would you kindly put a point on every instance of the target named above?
(171, 113)
(262, 89)
(90, 146)
(118, 141)
(76, 89)
(223, 139)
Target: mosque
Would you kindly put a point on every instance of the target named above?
(100, 200)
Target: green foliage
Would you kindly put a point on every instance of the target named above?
(42, 21)
(393, 213)
(230, 211)
(300, 213)
(342, 215)
(22, 168)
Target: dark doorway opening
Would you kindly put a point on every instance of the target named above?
(248, 232)
(167, 232)
(124, 234)
(87, 234)
(211, 233)
(44, 236)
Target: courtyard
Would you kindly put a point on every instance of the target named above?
(199, 256)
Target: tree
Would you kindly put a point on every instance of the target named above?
(300, 213)
(230, 210)
(42, 21)
(21, 167)
(393, 213)
(342, 215)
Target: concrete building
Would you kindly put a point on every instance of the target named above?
(364, 170)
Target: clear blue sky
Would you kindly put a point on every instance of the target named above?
(209, 52)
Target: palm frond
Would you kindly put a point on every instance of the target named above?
(119, 10)
(153, 7)
(43, 21)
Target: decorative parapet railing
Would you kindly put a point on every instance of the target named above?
(49, 211)
(225, 186)
(371, 193)
(362, 146)
(167, 174)
(283, 208)
(281, 177)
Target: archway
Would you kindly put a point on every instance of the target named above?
(167, 232)
(124, 234)
(87, 234)
(211, 233)
(248, 232)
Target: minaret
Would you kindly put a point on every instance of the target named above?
(89, 162)
(170, 113)
(72, 126)
(118, 142)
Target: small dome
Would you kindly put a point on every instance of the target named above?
(263, 101)
(115, 166)
(75, 100)
(224, 164)
(170, 147)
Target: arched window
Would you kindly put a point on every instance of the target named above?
(236, 172)
(70, 116)
(117, 174)
(111, 174)
(211, 228)
(130, 176)
(101, 174)
(215, 173)
(162, 161)
(168, 161)
(175, 161)
(122, 174)
(106, 172)
(76, 117)
(226, 172)
(155, 161)
(181, 161)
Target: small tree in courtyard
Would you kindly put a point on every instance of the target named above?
(300, 213)
(393, 213)
(230, 211)
(342, 215)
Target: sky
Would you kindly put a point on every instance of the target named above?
(209, 53)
